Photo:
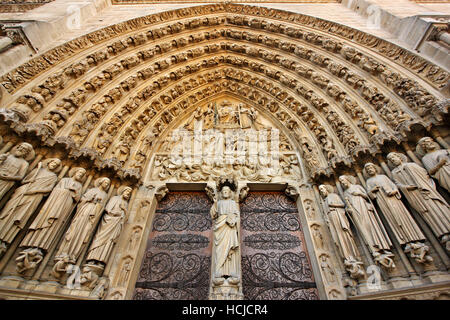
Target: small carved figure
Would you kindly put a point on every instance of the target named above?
(327, 269)
(355, 268)
(125, 272)
(418, 251)
(385, 259)
(28, 259)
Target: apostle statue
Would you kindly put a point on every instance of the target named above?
(26, 198)
(387, 195)
(82, 225)
(435, 160)
(420, 191)
(340, 229)
(366, 220)
(55, 211)
(110, 227)
(14, 165)
(225, 213)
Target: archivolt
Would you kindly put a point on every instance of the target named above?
(315, 83)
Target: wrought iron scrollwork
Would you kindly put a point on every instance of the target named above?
(275, 264)
(177, 263)
(186, 242)
(276, 241)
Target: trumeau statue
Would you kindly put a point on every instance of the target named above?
(26, 198)
(340, 229)
(420, 191)
(387, 195)
(226, 269)
(82, 224)
(14, 165)
(110, 227)
(435, 160)
(55, 211)
(366, 220)
(225, 213)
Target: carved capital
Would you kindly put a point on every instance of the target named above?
(292, 192)
(161, 192)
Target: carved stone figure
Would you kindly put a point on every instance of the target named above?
(387, 195)
(83, 222)
(26, 198)
(28, 259)
(435, 160)
(420, 191)
(60, 265)
(55, 211)
(309, 208)
(418, 251)
(365, 218)
(101, 288)
(340, 228)
(90, 275)
(317, 236)
(385, 259)
(132, 241)
(14, 165)
(110, 227)
(355, 268)
(122, 150)
(327, 269)
(125, 272)
(225, 213)
(309, 154)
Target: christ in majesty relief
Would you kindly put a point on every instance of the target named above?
(225, 213)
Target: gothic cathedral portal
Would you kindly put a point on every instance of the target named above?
(272, 151)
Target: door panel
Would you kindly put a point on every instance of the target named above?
(177, 260)
(275, 263)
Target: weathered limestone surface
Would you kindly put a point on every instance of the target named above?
(346, 119)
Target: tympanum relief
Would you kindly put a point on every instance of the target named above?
(259, 101)
(226, 137)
